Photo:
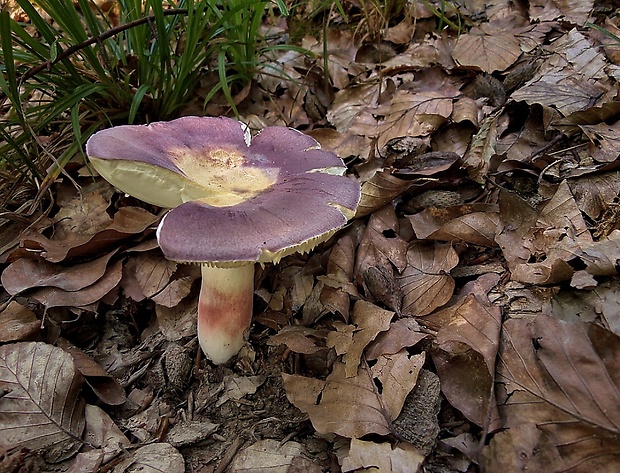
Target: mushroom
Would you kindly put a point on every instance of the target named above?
(235, 201)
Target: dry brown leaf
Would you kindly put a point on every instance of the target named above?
(106, 387)
(174, 292)
(102, 433)
(26, 274)
(574, 11)
(381, 243)
(351, 340)
(55, 297)
(128, 221)
(605, 141)
(18, 323)
(426, 282)
(594, 194)
(351, 407)
(178, 321)
(380, 189)
(41, 410)
(273, 456)
(300, 339)
(466, 348)
(415, 114)
(517, 217)
(403, 333)
(84, 214)
(564, 90)
(381, 457)
(153, 272)
(563, 377)
(495, 51)
(153, 458)
(237, 387)
(472, 223)
(522, 448)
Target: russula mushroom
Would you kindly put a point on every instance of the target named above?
(235, 201)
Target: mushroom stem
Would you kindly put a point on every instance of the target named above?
(225, 310)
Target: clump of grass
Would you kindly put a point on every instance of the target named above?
(61, 80)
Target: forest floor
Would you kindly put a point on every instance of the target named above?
(467, 319)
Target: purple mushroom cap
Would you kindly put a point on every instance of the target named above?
(235, 198)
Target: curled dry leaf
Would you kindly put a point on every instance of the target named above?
(106, 387)
(426, 282)
(28, 273)
(403, 333)
(354, 407)
(379, 190)
(102, 433)
(128, 221)
(381, 243)
(563, 378)
(153, 272)
(351, 340)
(471, 223)
(42, 410)
(55, 297)
(300, 339)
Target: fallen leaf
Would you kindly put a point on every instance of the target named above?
(102, 433)
(466, 349)
(273, 456)
(562, 377)
(300, 339)
(237, 387)
(351, 340)
(491, 52)
(18, 323)
(379, 190)
(106, 387)
(41, 410)
(153, 458)
(575, 11)
(426, 282)
(351, 407)
(381, 457)
(403, 333)
(55, 297)
(153, 272)
(28, 273)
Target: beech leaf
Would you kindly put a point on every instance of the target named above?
(426, 282)
(564, 378)
(354, 407)
(42, 410)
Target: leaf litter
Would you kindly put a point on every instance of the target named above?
(465, 320)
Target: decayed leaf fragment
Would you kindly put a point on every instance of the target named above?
(42, 410)
(353, 407)
(563, 378)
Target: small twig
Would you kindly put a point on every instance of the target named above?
(230, 454)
